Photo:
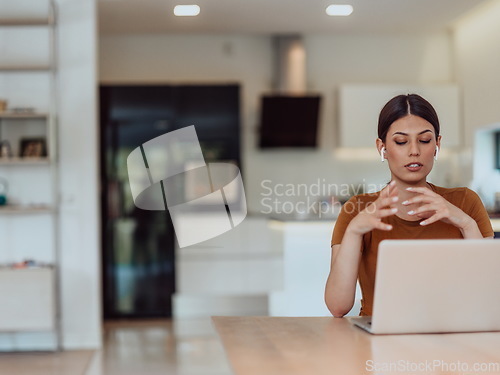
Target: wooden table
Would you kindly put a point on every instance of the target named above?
(324, 345)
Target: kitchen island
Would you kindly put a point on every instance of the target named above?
(305, 249)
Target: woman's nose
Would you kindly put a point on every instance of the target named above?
(414, 150)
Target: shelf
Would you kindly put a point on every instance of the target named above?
(26, 269)
(22, 116)
(27, 68)
(22, 210)
(4, 22)
(24, 161)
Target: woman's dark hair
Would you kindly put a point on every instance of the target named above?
(404, 105)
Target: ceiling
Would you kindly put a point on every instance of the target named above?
(281, 16)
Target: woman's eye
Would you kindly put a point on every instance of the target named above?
(424, 141)
(400, 142)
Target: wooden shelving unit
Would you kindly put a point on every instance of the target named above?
(34, 292)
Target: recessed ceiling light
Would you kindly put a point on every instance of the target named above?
(186, 10)
(339, 10)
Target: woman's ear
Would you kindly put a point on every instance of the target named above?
(438, 141)
(380, 145)
(381, 149)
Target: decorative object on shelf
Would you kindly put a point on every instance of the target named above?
(4, 187)
(3, 105)
(33, 147)
(5, 149)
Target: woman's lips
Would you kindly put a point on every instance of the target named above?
(413, 167)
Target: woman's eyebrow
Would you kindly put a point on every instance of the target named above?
(422, 132)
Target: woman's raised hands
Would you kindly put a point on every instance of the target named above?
(371, 216)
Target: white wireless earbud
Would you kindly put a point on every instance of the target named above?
(436, 153)
(382, 153)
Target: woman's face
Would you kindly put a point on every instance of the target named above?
(410, 148)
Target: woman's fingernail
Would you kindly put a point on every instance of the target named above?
(394, 210)
(389, 226)
(423, 222)
(405, 203)
(395, 199)
(409, 188)
(411, 212)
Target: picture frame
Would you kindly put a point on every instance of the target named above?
(33, 147)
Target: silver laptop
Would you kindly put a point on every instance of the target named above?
(432, 286)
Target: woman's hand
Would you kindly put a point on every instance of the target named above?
(371, 217)
(434, 207)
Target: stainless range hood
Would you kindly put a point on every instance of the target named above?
(289, 65)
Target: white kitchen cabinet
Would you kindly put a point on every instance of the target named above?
(28, 299)
(306, 264)
(231, 274)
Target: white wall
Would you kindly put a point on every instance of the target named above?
(476, 41)
(78, 159)
(331, 61)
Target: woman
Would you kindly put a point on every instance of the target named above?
(408, 208)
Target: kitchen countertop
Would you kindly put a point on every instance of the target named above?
(306, 218)
(495, 223)
(294, 218)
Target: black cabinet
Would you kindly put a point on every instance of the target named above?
(138, 246)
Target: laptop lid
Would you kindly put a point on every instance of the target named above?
(425, 286)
